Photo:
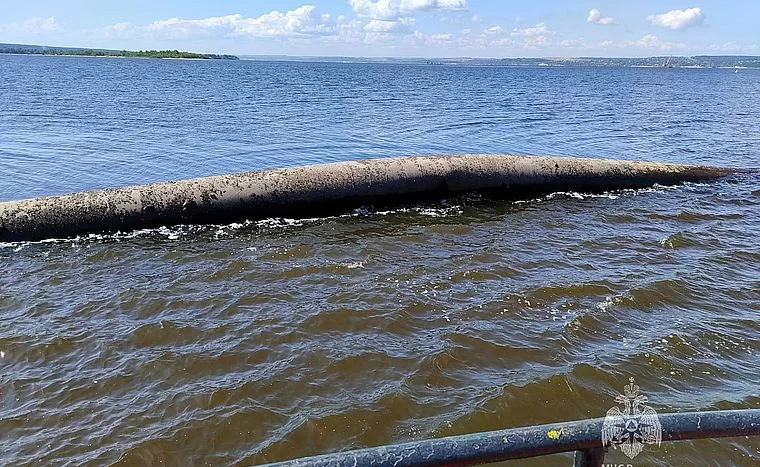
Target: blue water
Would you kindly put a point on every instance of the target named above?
(263, 341)
(72, 123)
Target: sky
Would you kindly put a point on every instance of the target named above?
(397, 28)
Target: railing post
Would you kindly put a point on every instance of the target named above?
(592, 457)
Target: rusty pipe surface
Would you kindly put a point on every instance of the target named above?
(327, 188)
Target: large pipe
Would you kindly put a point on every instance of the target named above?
(326, 188)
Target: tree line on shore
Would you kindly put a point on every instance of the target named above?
(113, 53)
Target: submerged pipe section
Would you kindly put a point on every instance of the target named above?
(327, 188)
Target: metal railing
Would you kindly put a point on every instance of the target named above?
(582, 436)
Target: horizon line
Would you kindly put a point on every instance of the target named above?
(398, 57)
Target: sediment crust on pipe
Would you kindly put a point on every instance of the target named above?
(306, 191)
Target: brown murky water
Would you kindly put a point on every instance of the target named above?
(261, 342)
(254, 343)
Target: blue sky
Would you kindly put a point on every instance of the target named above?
(421, 28)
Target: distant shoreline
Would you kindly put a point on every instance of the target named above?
(101, 56)
(697, 61)
(21, 49)
(508, 62)
(664, 62)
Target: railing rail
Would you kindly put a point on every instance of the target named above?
(582, 436)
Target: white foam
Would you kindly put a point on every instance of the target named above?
(221, 230)
(354, 265)
(615, 194)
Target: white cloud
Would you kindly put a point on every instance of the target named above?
(533, 37)
(298, 25)
(48, 24)
(387, 20)
(402, 25)
(121, 26)
(377, 21)
(537, 30)
(496, 39)
(488, 39)
(677, 19)
(393, 9)
(646, 44)
(298, 22)
(441, 37)
(573, 43)
(123, 30)
(650, 41)
(727, 47)
(34, 26)
(385, 26)
(595, 17)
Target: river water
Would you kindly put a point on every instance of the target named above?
(264, 341)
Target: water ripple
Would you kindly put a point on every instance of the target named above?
(262, 341)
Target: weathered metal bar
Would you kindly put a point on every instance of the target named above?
(326, 188)
(518, 443)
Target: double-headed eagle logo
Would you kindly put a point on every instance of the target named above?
(633, 427)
